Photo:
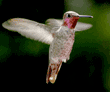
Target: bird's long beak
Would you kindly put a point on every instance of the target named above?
(86, 16)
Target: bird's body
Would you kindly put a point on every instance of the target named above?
(60, 50)
(62, 43)
(59, 34)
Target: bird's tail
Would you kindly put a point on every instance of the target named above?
(52, 72)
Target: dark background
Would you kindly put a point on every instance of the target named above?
(25, 61)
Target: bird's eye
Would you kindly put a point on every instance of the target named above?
(68, 15)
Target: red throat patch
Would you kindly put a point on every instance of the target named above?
(70, 22)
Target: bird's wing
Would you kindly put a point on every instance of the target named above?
(30, 29)
(38, 31)
(82, 26)
(54, 22)
(79, 26)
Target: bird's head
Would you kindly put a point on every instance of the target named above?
(70, 19)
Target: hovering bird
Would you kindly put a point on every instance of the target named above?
(59, 34)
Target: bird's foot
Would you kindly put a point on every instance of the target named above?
(64, 60)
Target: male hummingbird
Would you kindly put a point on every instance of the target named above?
(58, 33)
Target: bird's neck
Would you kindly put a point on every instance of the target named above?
(64, 31)
(70, 22)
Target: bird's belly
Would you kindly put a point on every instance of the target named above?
(65, 52)
(61, 50)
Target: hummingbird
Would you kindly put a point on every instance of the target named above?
(59, 34)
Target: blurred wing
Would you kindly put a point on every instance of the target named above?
(79, 26)
(38, 31)
(82, 26)
(54, 22)
(30, 29)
